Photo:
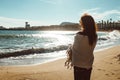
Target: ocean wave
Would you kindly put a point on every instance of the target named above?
(101, 38)
(33, 51)
(13, 35)
(114, 35)
(21, 35)
(7, 36)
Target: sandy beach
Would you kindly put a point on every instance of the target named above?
(106, 67)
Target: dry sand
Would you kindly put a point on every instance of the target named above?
(106, 67)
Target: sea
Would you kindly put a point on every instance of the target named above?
(54, 43)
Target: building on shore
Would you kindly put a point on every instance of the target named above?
(27, 25)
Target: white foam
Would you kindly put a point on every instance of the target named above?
(97, 50)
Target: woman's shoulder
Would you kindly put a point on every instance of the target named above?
(81, 33)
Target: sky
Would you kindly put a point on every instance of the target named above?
(14, 13)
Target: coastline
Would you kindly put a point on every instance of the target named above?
(106, 67)
(52, 60)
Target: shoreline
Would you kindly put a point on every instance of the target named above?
(52, 60)
(106, 67)
(105, 48)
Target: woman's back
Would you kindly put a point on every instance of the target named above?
(82, 52)
(82, 49)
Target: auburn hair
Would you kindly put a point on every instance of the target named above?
(89, 28)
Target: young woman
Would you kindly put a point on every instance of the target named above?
(81, 52)
(83, 47)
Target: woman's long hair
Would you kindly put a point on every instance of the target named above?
(89, 28)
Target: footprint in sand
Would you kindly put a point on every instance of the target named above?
(111, 63)
(101, 69)
(118, 78)
(107, 74)
(110, 74)
(113, 73)
(26, 79)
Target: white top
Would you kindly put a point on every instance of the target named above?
(82, 52)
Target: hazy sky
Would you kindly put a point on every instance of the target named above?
(13, 13)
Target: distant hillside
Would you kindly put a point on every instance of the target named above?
(1, 27)
(67, 23)
(63, 26)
